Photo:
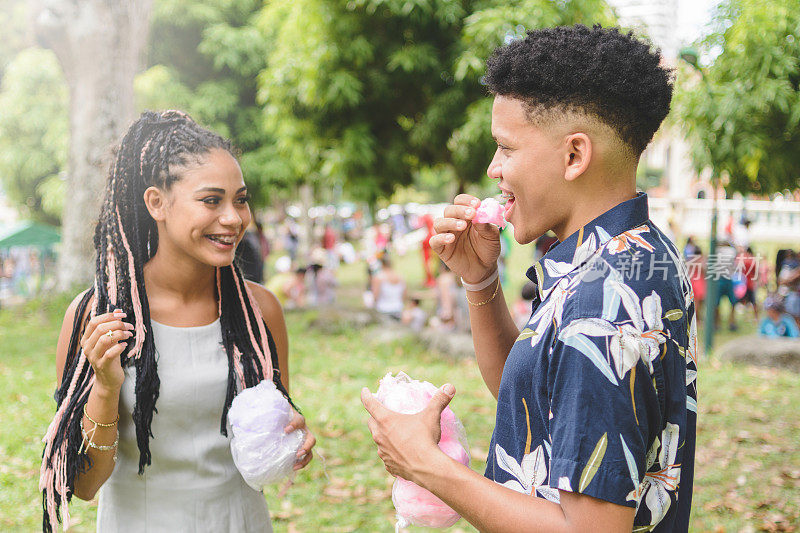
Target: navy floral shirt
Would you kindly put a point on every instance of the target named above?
(598, 394)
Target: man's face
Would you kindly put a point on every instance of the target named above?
(529, 164)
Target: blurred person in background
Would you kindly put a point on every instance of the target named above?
(696, 270)
(777, 323)
(427, 221)
(249, 255)
(748, 266)
(724, 268)
(389, 290)
(329, 245)
(280, 282)
(447, 293)
(690, 249)
(523, 306)
(414, 316)
(789, 283)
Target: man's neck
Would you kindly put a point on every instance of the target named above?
(589, 207)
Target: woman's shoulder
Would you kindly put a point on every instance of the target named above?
(75, 304)
(266, 300)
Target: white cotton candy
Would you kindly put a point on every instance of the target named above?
(261, 450)
(415, 505)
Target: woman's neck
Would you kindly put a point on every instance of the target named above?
(183, 281)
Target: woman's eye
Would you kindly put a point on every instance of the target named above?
(243, 199)
(211, 200)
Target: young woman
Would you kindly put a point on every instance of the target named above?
(150, 358)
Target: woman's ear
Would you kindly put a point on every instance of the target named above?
(578, 155)
(156, 203)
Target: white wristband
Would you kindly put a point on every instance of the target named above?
(475, 287)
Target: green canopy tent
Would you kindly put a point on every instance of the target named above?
(29, 234)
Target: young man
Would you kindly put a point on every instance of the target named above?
(596, 397)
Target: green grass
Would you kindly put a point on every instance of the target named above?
(747, 477)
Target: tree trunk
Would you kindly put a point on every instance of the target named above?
(99, 44)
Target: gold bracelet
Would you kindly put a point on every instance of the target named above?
(98, 424)
(478, 304)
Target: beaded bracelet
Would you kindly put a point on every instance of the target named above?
(101, 447)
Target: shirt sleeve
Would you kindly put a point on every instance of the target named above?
(599, 421)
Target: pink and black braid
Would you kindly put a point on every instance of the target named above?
(126, 237)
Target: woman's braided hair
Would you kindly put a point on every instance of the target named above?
(154, 148)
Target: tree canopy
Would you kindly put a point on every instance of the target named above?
(34, 132)
(368, 92)
(743, 114)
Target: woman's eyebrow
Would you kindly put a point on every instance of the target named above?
(218, 190)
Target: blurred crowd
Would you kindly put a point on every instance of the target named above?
(299, 261)
(747, 279)
(24, 273)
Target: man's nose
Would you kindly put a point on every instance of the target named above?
(495, 170)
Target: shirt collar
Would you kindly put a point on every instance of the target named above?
(567, 255)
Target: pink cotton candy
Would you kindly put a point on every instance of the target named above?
(415, 505)
(491, 211)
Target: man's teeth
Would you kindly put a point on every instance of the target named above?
(506, 195)
(222, 240)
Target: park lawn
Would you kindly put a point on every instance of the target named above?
(747, 478)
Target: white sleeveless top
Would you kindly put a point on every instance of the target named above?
(191, 483)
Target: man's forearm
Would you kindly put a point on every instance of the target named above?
(493, 333)
(489, 506)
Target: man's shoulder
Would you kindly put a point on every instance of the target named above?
(632, 265)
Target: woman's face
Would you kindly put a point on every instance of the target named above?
(206, 211)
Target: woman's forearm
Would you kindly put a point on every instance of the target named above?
(102, 407)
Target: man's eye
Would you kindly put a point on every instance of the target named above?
(211, 200)
(244, 199)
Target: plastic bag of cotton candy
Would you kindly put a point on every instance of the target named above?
(261, 450)
(415, 505)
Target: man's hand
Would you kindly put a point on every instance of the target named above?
(407, 442)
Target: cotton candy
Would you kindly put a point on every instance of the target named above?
(490, 211)
(415, 505)
(261, 450)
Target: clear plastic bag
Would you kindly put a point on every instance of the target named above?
(261, 450)
(415, 505)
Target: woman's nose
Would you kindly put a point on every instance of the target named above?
(230, 217)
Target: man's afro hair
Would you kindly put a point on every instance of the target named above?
(599, 71)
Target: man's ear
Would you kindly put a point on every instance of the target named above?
(156, 203)
(577, 156)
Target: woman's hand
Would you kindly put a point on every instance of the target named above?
(304, 454)
(468, 249)
(102, 342)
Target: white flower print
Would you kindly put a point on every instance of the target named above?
(658, 485)
(529, 476)
(628, 342)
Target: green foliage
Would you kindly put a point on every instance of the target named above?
(34, 132)
(12, 20)
(384, 88)
(203, 58)
(744, 114)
